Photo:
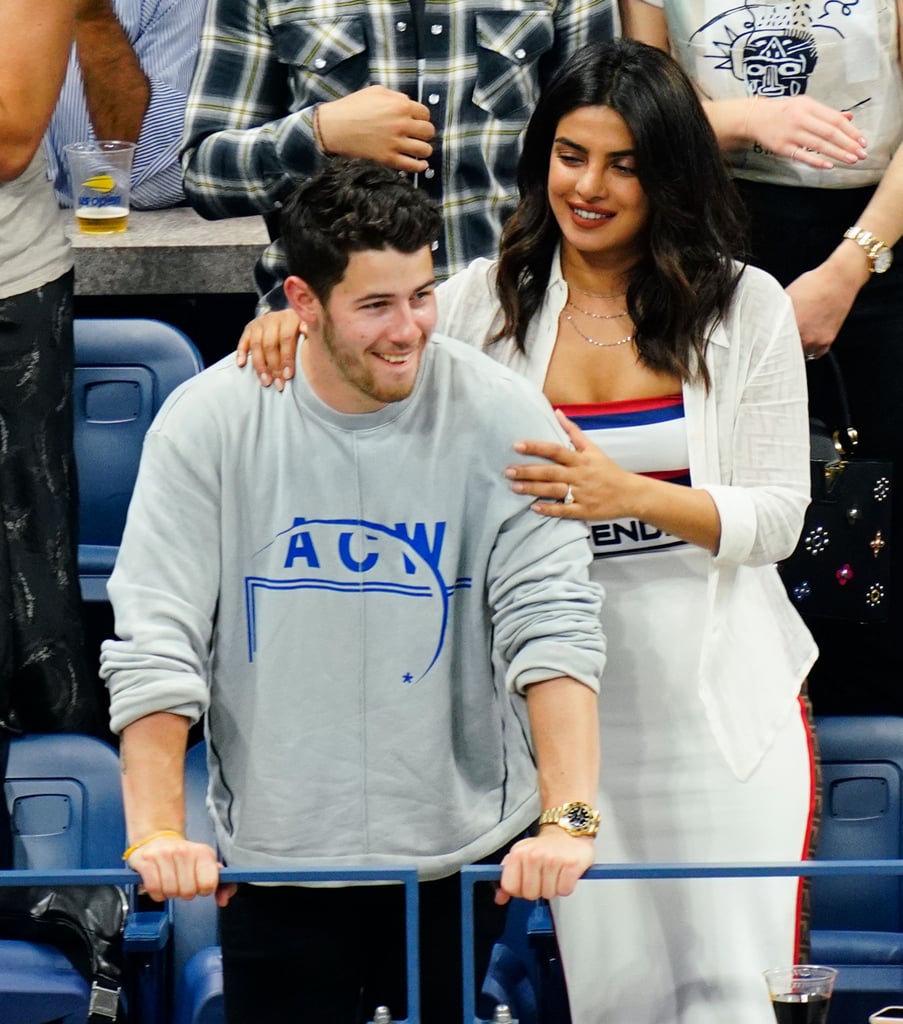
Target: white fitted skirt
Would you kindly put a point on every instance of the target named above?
(685, 951)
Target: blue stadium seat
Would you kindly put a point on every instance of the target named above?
(199, 992)
(66, 812)
(525, 970)
(857, 921)
(124, 369)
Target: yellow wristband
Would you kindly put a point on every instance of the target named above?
(147, 839)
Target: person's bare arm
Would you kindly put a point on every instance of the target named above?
(152, 758)
(35, 39)
(116, 89)
(380, 124)
(645, 23)
(565, 727)
(823, 297)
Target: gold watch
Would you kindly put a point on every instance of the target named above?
(879, 255)
(576, 818)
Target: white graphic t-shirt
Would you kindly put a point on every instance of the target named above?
(844, 54)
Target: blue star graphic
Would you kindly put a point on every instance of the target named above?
(407, 678)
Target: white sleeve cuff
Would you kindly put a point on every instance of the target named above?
(737, 512)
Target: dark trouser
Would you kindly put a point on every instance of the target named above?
(331, 956)
(794, 230)
(44, 683)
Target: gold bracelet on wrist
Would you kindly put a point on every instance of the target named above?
(879, 255)
(154, 835)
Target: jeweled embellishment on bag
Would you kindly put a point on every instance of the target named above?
(874, 595)
(882, 489)
(877, 544)
(816, 540)
(844, 574)
(801, 591)
(854, 514)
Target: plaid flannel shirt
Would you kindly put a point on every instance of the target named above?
(265, 64)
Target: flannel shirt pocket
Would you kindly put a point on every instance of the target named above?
(509, 43)
(329, 56)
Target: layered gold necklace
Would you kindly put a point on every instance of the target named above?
(596, 316)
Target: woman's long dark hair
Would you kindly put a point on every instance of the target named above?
(685, 278)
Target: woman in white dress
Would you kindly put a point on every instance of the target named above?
(617, 294)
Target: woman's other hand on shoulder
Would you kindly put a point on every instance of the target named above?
(271, 341)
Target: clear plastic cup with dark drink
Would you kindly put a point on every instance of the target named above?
(800, 994)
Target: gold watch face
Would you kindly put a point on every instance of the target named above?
(880, 256)
(580, 819)
(882, 260)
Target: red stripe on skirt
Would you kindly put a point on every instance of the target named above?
(813, 799)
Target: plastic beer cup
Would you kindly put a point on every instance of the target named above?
(100, 176)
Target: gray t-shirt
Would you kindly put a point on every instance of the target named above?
(33, 248)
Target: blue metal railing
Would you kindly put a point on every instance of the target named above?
(406, 876)
(469, 877)
(492, 873)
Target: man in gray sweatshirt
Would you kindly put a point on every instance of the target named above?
(375, 624)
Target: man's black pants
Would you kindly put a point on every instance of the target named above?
(332, 955)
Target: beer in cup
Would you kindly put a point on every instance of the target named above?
(100, 175)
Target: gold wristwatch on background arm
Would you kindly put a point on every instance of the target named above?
(879, 255)
(576, 818)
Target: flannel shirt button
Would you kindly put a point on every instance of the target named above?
(319, 64)
(429, 173)
(433, 98)
(402, 26)
(436, 30)
(520, 54)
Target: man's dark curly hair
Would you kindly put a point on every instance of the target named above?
(351, 206)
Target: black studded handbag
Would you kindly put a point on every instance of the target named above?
(841, 566)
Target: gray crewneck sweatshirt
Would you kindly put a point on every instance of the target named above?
(359, 601)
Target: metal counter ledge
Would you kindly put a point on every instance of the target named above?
(168, 252)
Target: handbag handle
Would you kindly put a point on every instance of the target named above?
(846, 436)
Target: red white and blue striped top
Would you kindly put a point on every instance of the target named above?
(645, 436)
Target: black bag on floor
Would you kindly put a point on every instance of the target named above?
(841, 566)
(85, 922)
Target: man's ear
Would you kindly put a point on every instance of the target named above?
(302, 299)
